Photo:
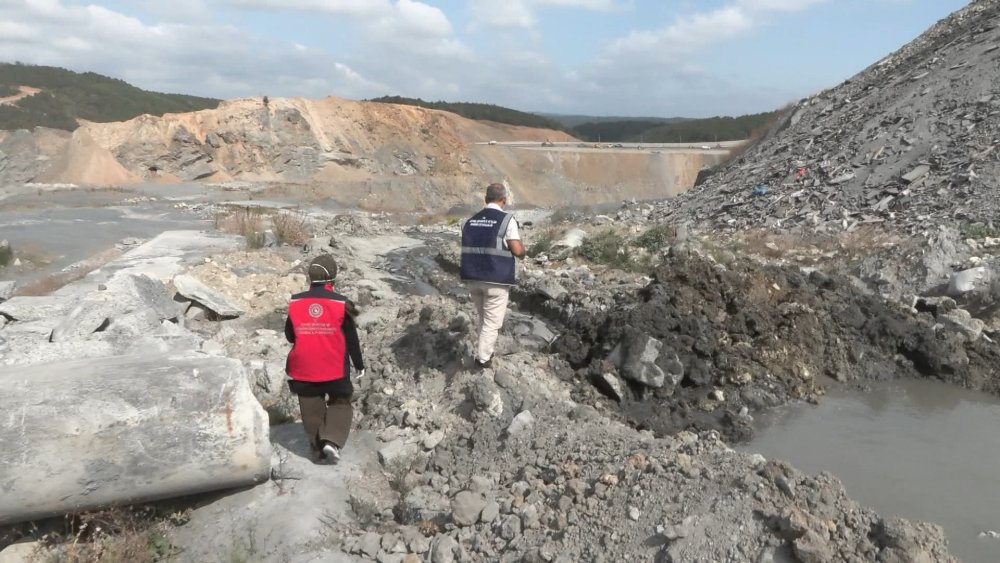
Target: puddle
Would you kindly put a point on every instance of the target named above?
(921, 450)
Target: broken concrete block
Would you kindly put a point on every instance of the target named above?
(210, 299)
(126, 429)
(916, 174)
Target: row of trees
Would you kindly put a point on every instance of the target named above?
(485, 112)
(650, 130)
(712, 129)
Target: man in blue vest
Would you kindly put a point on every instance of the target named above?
(490, 243)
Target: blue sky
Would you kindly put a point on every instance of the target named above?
(688, 58)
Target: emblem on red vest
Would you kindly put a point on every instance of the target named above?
(315, 310)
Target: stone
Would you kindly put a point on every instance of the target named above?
(529, 517)
(510, 527)
(490, 512)
(443, 549)
(551, 289)
(916, 174)
(423, 503)
(370, 544)
(640, 358)
(85, 319)
(24, 552)
(572, 238)
(396, 452)
(466, 508)
(480, 484)
(523, 421)
(193, 289)
(141, 428)
(433, 439)
(967, 281)
(613, 385)
(962, 321)
(7, 290)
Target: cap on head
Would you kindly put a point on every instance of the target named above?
(495, 192)
(323, 268)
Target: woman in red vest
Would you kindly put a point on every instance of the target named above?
(325, 344)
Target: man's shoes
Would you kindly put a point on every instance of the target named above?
(483, 365)
(330, 453)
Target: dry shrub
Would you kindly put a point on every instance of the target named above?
(438, 219)
(116, 535)
(6, 254)
(246, 221)
(290, 228)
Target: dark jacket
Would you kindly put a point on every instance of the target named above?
(484, 254)
(320, 325)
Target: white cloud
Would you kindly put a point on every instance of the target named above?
(15, 31)
(357, 8)
(524, 13)
(413, 20)
(683, 37)
(778, 5)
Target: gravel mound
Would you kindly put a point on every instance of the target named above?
(910, 142)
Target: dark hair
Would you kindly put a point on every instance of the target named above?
(495, 192)
(323, 268)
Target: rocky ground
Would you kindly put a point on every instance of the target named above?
(566, 449)
(535, 459)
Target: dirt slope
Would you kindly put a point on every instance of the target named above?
(378, 156)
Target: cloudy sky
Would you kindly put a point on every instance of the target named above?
(687, 58)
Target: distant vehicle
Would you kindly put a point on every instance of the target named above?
(548, 143)
(706, 147)
(617, 145)
(492, 142)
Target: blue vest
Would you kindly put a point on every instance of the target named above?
(484, 257)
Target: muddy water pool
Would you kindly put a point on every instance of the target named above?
(921, 450)
(60, 236)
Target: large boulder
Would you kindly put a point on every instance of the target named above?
(83, 434)
(641, 358)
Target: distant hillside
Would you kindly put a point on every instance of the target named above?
(710, 129)
(571, 121)
(488, 112)
(66, 95)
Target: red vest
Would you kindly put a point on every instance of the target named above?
(320, 351)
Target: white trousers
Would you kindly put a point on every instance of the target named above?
(491, 306)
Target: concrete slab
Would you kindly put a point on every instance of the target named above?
(95, 432)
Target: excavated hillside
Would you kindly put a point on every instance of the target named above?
(910, 142)
(375, 155)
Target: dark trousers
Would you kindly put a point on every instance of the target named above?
(326, 420)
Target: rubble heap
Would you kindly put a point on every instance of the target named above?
(910, 142)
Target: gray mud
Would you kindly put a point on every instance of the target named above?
(918, 449)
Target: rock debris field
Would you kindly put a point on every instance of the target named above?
(854, 243)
